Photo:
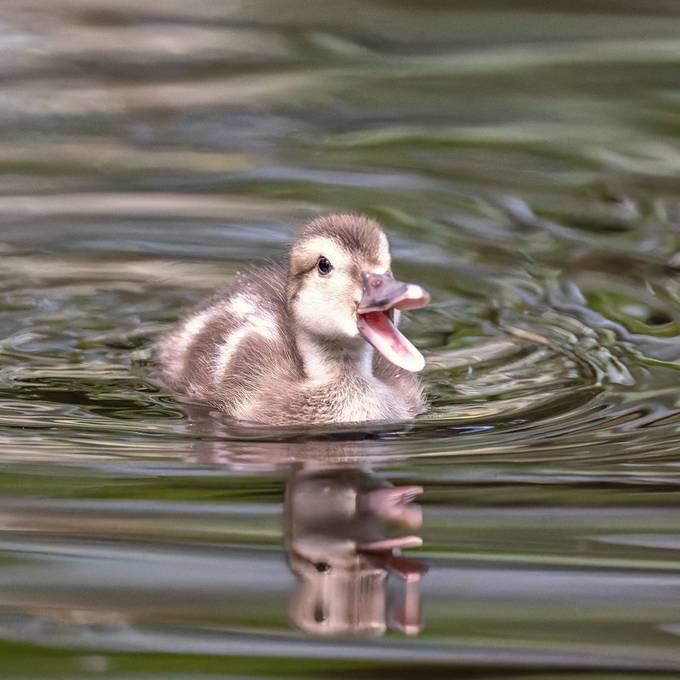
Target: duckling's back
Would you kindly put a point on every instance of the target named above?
(233, 347)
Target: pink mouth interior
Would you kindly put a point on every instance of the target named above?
(378, 329)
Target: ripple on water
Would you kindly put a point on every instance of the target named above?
(524, 163)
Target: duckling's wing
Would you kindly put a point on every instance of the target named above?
(220, 350)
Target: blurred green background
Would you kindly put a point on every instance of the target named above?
(524, 159)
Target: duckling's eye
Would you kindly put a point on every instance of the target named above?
(324, 266)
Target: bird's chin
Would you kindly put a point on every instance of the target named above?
(379, 329)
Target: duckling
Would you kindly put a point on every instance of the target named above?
(312, 342)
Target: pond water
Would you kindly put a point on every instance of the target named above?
(526, 165)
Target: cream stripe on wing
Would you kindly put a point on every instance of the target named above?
(230, 344)
(177, 345)
(263, 325)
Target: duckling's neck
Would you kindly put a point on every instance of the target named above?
(325, 360)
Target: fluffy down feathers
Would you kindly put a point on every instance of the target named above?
(242, 351)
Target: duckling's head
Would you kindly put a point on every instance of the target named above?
(341, 289)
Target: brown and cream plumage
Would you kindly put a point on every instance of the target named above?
(295, 344)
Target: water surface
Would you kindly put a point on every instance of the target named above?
(526, 165)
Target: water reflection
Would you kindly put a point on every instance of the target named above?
(337, 545)
(344, 528)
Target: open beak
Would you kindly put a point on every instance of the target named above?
(375, 314)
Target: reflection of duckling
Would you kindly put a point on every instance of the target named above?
(333, 527)
(295, 345)
(336, 547)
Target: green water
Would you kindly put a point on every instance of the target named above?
(525, 162)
